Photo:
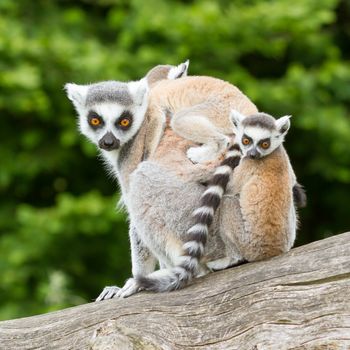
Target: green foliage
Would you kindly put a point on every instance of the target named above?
(61, 239)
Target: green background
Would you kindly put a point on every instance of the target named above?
(61, 239)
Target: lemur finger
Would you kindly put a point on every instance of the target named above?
(108, 293)
(131, 287)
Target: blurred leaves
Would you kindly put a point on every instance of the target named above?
(61, 238)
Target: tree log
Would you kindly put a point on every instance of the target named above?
(300, 300)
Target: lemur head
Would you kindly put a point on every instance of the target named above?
(260, 134)
(110, 112)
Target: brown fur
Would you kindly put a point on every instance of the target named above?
(199, 106)
(264, 191)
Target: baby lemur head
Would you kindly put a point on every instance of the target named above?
(260, 134)
(110, 112)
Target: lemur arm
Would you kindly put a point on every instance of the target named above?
(143, 263)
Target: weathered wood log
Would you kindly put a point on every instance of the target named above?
(300, 300)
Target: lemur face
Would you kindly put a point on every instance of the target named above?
(110, 112)
(260, 134)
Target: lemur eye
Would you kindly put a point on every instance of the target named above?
(95, 121)
(245, 141)
(265, 145)
(124, 122)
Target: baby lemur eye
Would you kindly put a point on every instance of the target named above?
(245, 141)
(265, 144)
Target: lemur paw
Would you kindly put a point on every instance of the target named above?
(130, 287)
(108, 292)
(201, 154)
(208, 152)
(224, 263)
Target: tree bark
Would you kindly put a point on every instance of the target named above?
(300, 300)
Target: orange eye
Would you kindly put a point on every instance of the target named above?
(124, 122)
(245, 141)
(95, 121)
(265, 145)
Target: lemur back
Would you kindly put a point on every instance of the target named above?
(200, 107)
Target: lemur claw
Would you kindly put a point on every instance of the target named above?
(108, 292)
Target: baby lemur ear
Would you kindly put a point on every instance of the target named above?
(283, 124)
(236, 118)
(179, 71)
(77, 94)
(139, 90)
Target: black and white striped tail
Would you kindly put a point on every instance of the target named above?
(196, 238)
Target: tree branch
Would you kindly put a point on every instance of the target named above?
(300, 300)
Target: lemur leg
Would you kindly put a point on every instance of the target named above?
(170, 272)
(143, 263)
(193, 124)
(258, 234)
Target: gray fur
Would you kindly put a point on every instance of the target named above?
(109, 91)
(261, 120)
(162, 193)
(197, 235)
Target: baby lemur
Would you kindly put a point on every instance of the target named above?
(264, 191)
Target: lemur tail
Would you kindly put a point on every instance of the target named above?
(188, 264)
(299, 195)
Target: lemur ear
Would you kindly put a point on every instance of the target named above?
(236, 117)
(179, 71)
(283, 124)
(138, 90)
(77, 94)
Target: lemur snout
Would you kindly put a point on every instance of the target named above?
(254, 154)
(109, 142)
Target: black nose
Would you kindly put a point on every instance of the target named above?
(109, 142)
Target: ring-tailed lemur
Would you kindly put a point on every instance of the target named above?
(161, 191)
(264, 190)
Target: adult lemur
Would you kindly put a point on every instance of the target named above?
(160, 186)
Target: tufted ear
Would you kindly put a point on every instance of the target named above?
(236, 118)
(283, 124)
(138, 90)
(179, 71)
(77, 94)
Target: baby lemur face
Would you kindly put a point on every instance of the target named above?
(110, 112)
(260, 134)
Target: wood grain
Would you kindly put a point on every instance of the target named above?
(300, 300)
